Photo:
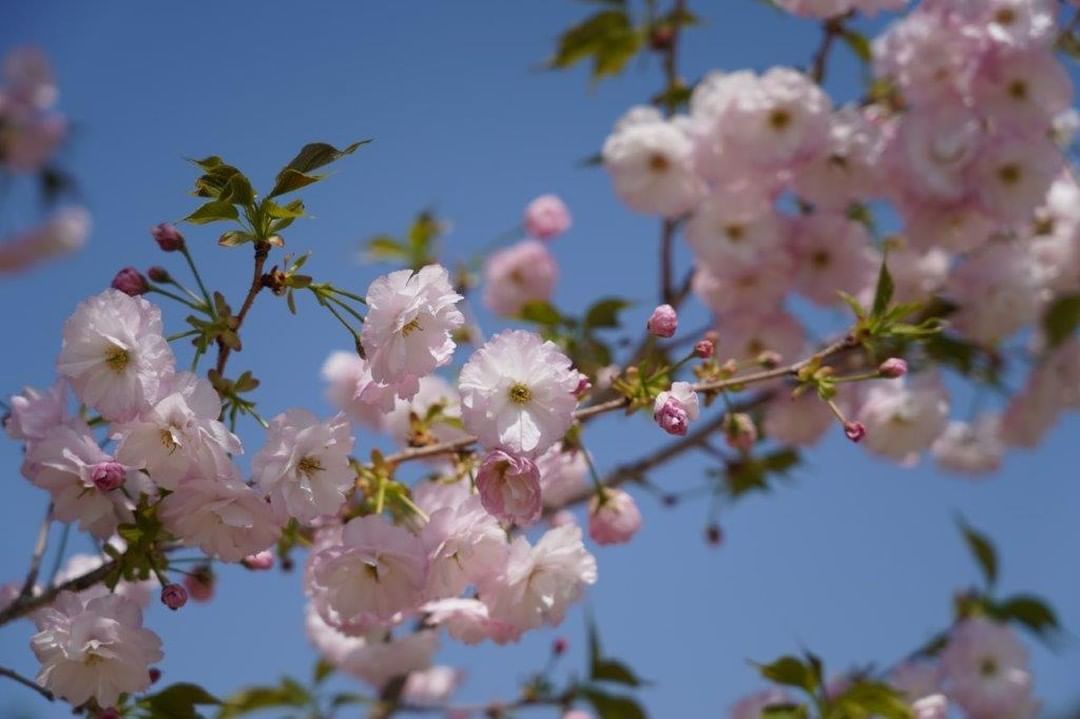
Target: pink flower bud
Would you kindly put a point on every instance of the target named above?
(714, 536)
(168, 237)
(741, 432)
(704, 349)
(109, 713)
(509, 487)
(676, 408)
(855, 431)
(108, 476)
(130, 281)
(583, 386)
(769, 359)
(893, 368)
(663, 322)
(173, 596)
(672, 418)
(260, 561)
(546, 217)
(615, 520)
(200, 584)
(159, 274)
(155, 674)
(560, 645)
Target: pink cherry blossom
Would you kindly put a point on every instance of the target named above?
(615, 519)
(540, 582)
(34, 412)
(410, 322)
(221, 515)
(754, 705)
(800, 421)
(999, 290)
(663, 322)
(904, 418)
(746, 335)
(547, 217)
(849, 168)
(519, 274)
(95, 649)
(734, 225)
(517, 393)
(563, 474)
(509, 487)
(465, 545)
(1012, 176)
(971, 448)
(986, 668)
(377, 662)
(676, 408)
(469, 621)
(650, 161)
(758, 287)
(352, 390)
(832, 254)
(432, 686)
(64, 463)
(114, 354)
(304, 466)
(379, 569)
(64, 232)
(179, 436)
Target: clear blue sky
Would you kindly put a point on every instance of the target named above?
(856, 559)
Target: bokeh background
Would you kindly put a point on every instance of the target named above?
(854, 558)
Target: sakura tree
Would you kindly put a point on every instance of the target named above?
(927, 232)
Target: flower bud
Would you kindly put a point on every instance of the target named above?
(855, 431)
(714, 535)
(155, 674)
(769, 359)
(583, 386)
(661, 37)
(130, 281)
(669, 500)
(159, 274)
(509, 487)
(200, 584)
(108, 713)
(663, 322)
(704, 349)
(740, 431)
(559, 646)
(260, 561)
(893, 368)
(173, 596)
(615, 519)
(672, 418)
(546, 217)
(108, 476)
(168, 237)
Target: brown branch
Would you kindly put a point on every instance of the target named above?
(12, 674)
(667, 262)
(262, 250)
(830, 30)
(25, 605)
(39, 552)
(740, 382)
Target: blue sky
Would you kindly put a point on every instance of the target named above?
(855, 559)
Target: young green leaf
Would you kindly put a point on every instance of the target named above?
(982, 549)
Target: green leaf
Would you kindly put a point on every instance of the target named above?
(292, 180)
(288, 693)
(1061, 319)
(789, 671)
(238, 191)
(208, 163)
(289, 211)
(540, 312)
(317, 154)
(612, 706)
(785, 711)
(213, 211)
(215, 181)
(866, 699)
(982, 549)
(177, 701)
(1030, 611)
(386, 247)
(608, 37)
(232, 238)
(858, 43)
(883, 294)
(605, 312)
(613, 670)
(854, 304)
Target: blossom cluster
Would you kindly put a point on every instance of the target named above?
(961, 139)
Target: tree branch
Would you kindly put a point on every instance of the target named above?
(12, 674)
(25, 605)
(39, 552)
(262, 250)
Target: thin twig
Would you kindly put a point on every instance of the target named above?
(262, 250)
(39, 552)
(23, 606)
(12, 674)
(830, 30)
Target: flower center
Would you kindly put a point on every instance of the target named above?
(308, 466)
(659, 163)
(372, 570)
(820, 259)
(779, 119)
(520, 394)
(411, 327)
(167, 440)
(735, 232)
(1018, 90)
(988, 667)
(117, 358)
(1009, 174)
(1005, 16)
